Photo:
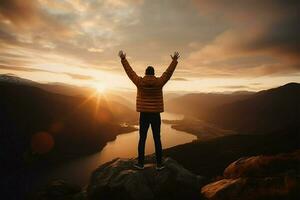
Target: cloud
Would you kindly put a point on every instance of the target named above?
(257, 29)
(28, 69)
(24, 69)
(236, 87)
(28, 16)
(224, 38)
(66, 28)
(256, 84)
(95, 50)
(80, 76)
(179, 79)
(18, 11)
(121, 3)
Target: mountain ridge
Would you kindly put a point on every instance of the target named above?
(265, 111)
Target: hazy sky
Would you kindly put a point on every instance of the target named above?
(224, 45)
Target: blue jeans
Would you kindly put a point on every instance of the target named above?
(147, 119)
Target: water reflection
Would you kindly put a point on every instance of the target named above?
(125, 146)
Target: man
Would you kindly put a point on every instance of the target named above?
(149, 102)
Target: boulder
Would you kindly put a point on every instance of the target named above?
(253, 188)
(119, 180)
(262, 166)
(258, 177)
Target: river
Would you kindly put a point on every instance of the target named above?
(124, 146)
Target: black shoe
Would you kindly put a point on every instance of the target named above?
(160, 167)
(138, 166)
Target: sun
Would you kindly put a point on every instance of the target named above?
(101, 88)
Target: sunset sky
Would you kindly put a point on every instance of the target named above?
(225, 45)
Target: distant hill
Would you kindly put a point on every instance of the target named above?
(201, 104)
(69, 90)
(11, 78)
(272, 110)
(65, 89)
(76, 124)
(59, 88)
(275, 113)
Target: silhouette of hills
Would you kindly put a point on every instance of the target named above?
(272, 110)
(75, 124)
(200, 104)
(210, 157)
(56, 87)
(11, 78)
(126, 98)
(78, 126)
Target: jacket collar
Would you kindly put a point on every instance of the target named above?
(149, 76)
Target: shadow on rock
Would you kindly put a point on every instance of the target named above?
(60, 190)
(119, 180)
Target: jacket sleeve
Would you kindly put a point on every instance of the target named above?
(168, 73)
(129, 71)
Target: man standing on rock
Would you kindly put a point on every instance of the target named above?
(149, 102)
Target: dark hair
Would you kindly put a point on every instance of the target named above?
(149, 70)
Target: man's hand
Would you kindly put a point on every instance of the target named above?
(122, 55)
(175, 56)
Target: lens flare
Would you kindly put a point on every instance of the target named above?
(42, 142)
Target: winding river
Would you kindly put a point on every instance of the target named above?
(124, 146)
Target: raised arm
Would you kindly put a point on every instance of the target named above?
(129, 71)
(169, 72)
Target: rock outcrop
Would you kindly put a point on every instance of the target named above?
(60, 190)
(253, 178)
(258, 177)
(119, 180)
(263, 166)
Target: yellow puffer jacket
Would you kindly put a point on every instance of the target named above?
(149, 88)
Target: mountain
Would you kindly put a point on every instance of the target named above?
(37, 124)
(70, 90)
(201, 104)
(11, 78)
(66, 89)
(272, 110)
(59, 88)
(210, 157)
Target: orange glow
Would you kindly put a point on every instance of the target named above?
(231, 53)
(104, 116)
(102, 109)
(56, 127)
(42, 142)
(100, 88)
